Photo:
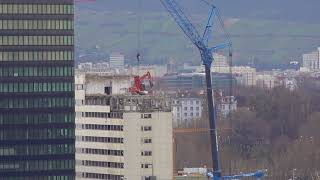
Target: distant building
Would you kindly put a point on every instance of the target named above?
(155, 70)
(121, 136)
(245, 75)
(186, 109)
(312, 60)
(116, 61)
(220, 61)
(227, 105)
(266, 81)
(195, 81)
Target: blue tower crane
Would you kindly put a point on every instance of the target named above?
(201, 42)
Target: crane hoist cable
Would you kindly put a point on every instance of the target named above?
(139, 33)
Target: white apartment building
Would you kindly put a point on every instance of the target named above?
(266, 81)
(185, 110)
(116, 61)
(120, 136)
(311, 60)
(227, 105)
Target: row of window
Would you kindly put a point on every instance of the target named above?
(36, 9)
(36, 40)
(44, 133)
(36, 102)
(103, 127)
(100, 139)
(36, 56)
(191, 114)
(41, 71)
(108, 152)
(96, 101)
(36, 87)
(103, 115)
(41, 118)
(43, 149)
(36, 24)
(38, 178)
(36, 165)
(102, 176)
(103, 164)
(191, 108)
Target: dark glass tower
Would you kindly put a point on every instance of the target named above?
(36, 90)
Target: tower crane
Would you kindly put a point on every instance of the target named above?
(206, 52)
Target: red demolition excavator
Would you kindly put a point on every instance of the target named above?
(139, 87)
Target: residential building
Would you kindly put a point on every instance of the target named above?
(226, 105)
(185, 110)
(36, 90)
(266, 81)
(121, 136)
(311, 60)
(116, 60)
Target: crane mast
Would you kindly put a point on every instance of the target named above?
(207, 58)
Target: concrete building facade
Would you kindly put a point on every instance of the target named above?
(116, 61)
(185, 110)
(120, 136)
(311, 60)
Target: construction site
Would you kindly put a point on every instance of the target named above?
(142, 124)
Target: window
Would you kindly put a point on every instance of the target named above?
(146, 166)
(37, 56)
(109, 152)
(146, 128)
(146, 116)
(146, 153)
(103, 127)
(101, 139)
(36, 40)
(146, 140)
(36, 24)
(103, 164)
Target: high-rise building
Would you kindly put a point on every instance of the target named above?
(36, 90)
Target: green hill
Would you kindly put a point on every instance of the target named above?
(269, 41)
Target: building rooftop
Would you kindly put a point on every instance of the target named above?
(131, 103)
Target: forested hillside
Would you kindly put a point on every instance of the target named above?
(268, 32)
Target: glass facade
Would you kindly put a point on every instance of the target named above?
(37, 90)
